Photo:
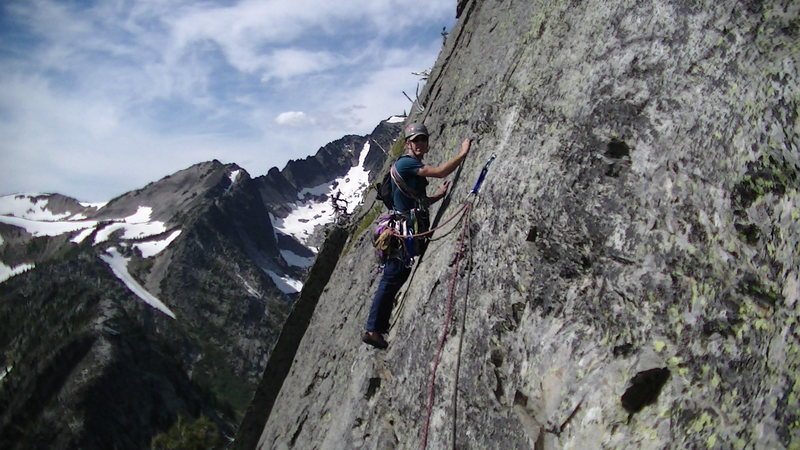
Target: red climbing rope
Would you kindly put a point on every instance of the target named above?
(446, 324)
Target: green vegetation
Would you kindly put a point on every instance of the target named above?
(368, 219)
(36, 246)
(397, 148)
(140, 267)
(44, 351)
(365, 223)
(215, 373)
(198, 435)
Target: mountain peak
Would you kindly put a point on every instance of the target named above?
(46, 207)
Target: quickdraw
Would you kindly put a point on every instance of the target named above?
(482, 176)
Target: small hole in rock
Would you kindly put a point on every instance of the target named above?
(618, 149)
(374, 385)
(623, 350)
(497, 358)
(644, 390)
(521, 399)
(532, 234)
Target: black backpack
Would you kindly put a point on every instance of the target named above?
(384, 188)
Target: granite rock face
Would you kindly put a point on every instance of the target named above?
(630, 277)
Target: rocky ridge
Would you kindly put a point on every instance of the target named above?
(631, 273)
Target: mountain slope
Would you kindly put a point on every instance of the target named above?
(165, 302)
(177, 306)
(88, 367)
(630, 277)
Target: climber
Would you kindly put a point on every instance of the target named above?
(411, 208)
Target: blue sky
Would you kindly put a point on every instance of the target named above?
(99, 98)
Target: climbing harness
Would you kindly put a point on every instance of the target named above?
(429, 232)
(466, 209)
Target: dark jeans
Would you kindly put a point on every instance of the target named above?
(395, 273)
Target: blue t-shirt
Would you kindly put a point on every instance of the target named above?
(407, 167)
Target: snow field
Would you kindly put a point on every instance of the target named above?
(308, 214)
(287, 285)
(293, 259)
(32, 216)
(24, 206)
(47, 228)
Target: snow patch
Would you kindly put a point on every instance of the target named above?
(152, 248)
(293, 259)
(130, 231)
(142, 215)
(248, 287)
(22, 211)
(396, 119)
(352, 185)
(301, 221)
(82, 235)
(7, 272)
(42, 228)
(119, 265)
(135, 226)
(234, 176)
(99, 205)
(36, 207)
(285, 284)
(24, 206)
(39, 222)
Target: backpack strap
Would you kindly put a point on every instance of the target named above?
(402, 185)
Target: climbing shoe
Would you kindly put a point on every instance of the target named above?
(375, 339)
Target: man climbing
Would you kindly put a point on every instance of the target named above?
(411, 205)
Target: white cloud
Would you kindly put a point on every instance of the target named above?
(288, 63)
(92, 92)
(294, 119)
(244, 30)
